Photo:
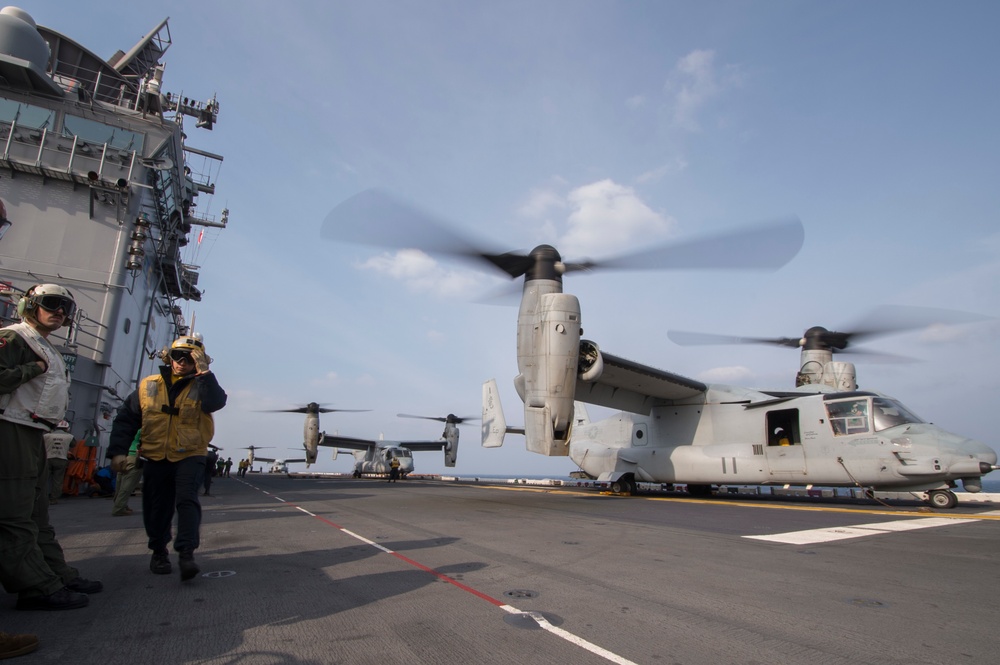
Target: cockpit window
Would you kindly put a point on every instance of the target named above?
(848, 417)
(888, 413)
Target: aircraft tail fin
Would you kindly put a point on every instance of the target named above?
(580, 415)
(494, 425)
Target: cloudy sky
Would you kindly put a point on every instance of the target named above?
(599, 127)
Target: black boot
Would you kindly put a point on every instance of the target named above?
(160, 563)
(187, 565)
(63, 599)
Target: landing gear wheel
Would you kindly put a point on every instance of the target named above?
(623, 486)
(944, 499)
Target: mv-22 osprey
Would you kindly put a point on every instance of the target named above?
(673, 429)
(374, 458)
(371, 457)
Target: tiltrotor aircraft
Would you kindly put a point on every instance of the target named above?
(672, 429)
(374, 457)
(818, 345)
(312, 438)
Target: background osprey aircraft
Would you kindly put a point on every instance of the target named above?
(311, 436)
(672, 429)
(374, 457)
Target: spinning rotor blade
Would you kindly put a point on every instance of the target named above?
(880, 322)
(313, 407)
(375, 218)
(760, 247)
(703, 339)
(450, 418)
(893, 319)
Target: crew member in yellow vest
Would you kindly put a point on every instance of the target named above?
(174, 410)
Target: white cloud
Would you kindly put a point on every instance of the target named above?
(606, 217)
(540, 202)
(694, 82)
(421, 273)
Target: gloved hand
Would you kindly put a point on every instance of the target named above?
(118, 463)
(201, 360)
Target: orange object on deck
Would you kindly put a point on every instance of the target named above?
(81, 467)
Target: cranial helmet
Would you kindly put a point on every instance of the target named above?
(47, 296)
(188, 343)
(185, 344)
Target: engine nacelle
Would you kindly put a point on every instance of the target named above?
(451, 444)
(310, 439)
(548, 357)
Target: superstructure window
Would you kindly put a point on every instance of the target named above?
(92, 131)
(26, 115)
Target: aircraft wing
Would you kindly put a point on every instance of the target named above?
(629, 386)
(289, 461)
(421, 446)
(336, 441)
(262, 459)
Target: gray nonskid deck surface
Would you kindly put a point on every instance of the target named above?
(345, 571)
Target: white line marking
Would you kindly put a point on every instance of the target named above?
(544, 624)
(810, 536)
(535, 616)
(367, 542)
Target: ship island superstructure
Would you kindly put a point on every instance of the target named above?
(98, 194)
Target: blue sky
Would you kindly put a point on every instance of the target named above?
(597, 126)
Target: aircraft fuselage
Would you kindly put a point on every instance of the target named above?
(833, 439)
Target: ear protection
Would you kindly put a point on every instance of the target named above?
(27, 303)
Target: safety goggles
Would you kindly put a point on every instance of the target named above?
(53, 303)
(179, 356)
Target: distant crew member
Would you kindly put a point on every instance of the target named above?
(174, 409)
(34, 394)
(128, 479)
(393, 470)
(210, 461)
(782, 437)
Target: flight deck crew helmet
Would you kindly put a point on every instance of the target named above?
(47, 296)
(184, 345)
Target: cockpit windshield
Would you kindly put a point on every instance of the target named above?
(889, 413)
(848, 416)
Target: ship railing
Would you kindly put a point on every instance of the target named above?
(54, 155)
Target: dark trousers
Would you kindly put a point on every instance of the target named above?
(167, 486)
(31, 561)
